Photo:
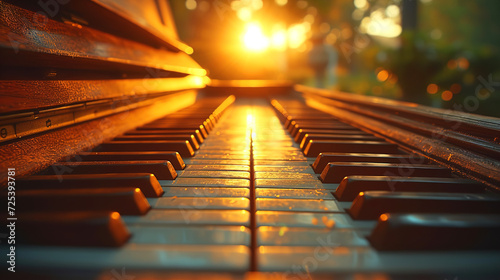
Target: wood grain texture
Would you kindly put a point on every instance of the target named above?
(148, 21)
(19, 95)
(32, 154)
(27, 39)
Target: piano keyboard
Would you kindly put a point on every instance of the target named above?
(262, 188)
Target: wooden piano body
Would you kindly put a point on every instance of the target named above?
(248, 204)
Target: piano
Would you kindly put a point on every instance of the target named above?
(121, 159)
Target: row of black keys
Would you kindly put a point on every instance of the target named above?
(419, 206)
(82, 199)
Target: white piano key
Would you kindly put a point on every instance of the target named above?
(214, 174)
(138, 256)
(298, 262)
(206, 192)
(285, 175)
(217, 167)
(311, 220)
(290, 236)
(284, 168)
(191, 216)
(197, 161)
(293, 193)
(258, 162)
(206, 182)
(292, 183)
(192, 235)
(211, 203)
(297, 205)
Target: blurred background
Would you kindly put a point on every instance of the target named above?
(441, 53)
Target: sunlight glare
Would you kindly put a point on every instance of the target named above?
(245, 14)
(254, 39)
(191, 4)
(278, 39)
(250, 121)
(296, 35)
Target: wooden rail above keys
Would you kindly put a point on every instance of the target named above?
(466, 143)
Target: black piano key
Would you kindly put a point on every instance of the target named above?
(195, 132)
(351, 186)
(315, 147)
(103, 229)
(302, 132)
(182, 147)
(146, 182)
(324, 158)
(291, 120)
(213, 119)
(163, 170)
(192, 140)
(327, 137)
(128, 201)
(173, 157)
(334, 172)
(436, 232)
(209, 125)
(371, 204)
(296, 125)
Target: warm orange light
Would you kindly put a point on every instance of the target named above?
(361, 194)
(191, 4)
(376, 25)
(384, 217)
(330, 223)
(278, 39)
(254, 39)
(463, 63)
(297, 35)
(447, 95)
(382, 75)
(198, 81)
(432, 88)
(250, 121)
(115, 215)
(245, 14)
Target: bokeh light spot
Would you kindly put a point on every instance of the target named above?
(432, 88)
(446, 95)
(382, 75)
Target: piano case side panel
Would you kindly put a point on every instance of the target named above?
(34, 153)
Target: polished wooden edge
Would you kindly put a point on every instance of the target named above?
(22, 95)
